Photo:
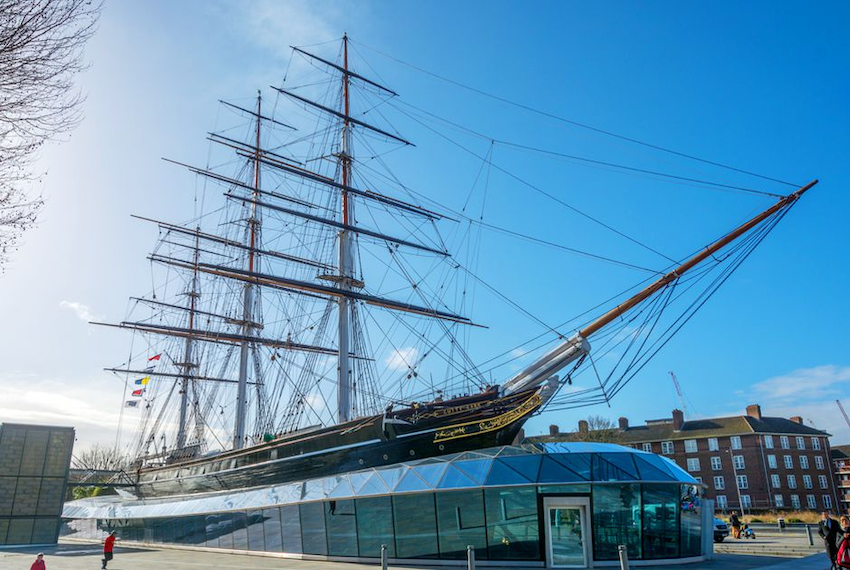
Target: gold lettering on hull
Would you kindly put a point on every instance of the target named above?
(493, 424)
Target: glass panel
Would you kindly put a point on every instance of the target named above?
(502, 474)
(240, 532)
(552, 471)
(20, 531)
(44, 531)
(343, 489)
(212, 530)
(375, 526)
(199, 536)
(313, 528)
(528, 465)
(7, 494)
(577, 462)
(616, 520)
(474, 469)
(182, 530)
(411, 482)
(660, 525)
(56, 462)
(4, 529)
(256, 541)
(32, 463)
(415, 526)
(11, 448)
(391, 476)
(272, 530)
(374, 485)
(567, 536)
(290, 517)
(455, 478)
(431, 473)
(26, 496)
(342, 528)
(512, 524)
(577, 489)
(225, 530)
(690, 521)
(460, 522)
(612, 467)
(650, 472)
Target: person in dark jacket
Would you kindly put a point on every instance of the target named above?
(736, 524)
(829, 530)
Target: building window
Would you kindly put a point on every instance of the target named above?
(715, 464)
(818, 461)
(804, 462)
(768, 441)
(771, 461)
(509, 511)
(460, 522)
(713, 445)
(801, 443)
(690, 446)
(719, 483)
(815, 443)
(742, 482)
(792, 482)
(667, 447)
(807, 481)
(789, 463)
(827, 502)
(738, 461)
(795, 501)
(745, 501)
(783, 441)
(647, 447)
(699, 479)
(774, 481)
(736, 441)
(778, 501)
(822, 481)
(811, 502)
(693, 464)
(721, 502)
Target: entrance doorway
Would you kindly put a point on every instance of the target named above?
(567, 532)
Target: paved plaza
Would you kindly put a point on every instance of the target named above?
(80, 556)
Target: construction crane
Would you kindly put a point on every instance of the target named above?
(843, 413)
(679, 393)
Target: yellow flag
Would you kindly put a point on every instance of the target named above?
(145, 380)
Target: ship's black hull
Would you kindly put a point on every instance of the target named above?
(479, 423)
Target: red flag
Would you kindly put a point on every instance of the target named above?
(155, 357)
(138, 393)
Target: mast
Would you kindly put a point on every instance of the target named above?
(344, 367)
(248, 301)
(187, 354)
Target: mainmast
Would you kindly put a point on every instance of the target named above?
(345, 262)
(248, 301)
(187, 353)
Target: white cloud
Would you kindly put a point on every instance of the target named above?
(402, 358)
(83, 312)
(805, 384)
(518, 352)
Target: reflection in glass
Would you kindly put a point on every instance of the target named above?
(660, 525)
(240, 532)
(313, 528)
(341, 527)
(211, 530)
(290, 517)
(225, 530)
(375, 526)
(567, 535)
(272, 530)
(691, 504)
(512, 525)
(254, 522)
(616, 520)
(415, 526)
(460, 522)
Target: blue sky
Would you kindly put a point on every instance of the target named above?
(761, 86)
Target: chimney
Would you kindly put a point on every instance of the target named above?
(754, 411)
(678, 420)
(624, 423)
(797, 419)
(553, 429)
(583, 426)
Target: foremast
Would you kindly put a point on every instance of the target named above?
(345, 254)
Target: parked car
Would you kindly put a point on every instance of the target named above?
(721, 530)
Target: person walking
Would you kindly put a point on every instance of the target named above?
(829, 530)
(39, 562)
(736, 524)
(108, 545)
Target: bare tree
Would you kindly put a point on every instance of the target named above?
(99, 458)
(600, 429)
(41, 49)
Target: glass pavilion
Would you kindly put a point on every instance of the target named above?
(552, 504)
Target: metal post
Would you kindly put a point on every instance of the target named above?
(383, 557)
(470, 557)
(624, 557)
(809, 534)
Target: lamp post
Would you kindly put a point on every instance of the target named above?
(737, 485)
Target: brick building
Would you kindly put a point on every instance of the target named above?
(840, 455)
(748, 462)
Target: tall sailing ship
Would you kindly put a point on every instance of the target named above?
(257, 363)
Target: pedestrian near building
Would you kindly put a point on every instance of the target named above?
(829, 531)
(39, 562)
(736, 524)
(108, 545)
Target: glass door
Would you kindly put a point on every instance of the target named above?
(566, 533)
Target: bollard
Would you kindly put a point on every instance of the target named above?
(624, 557)
(470, 557)
(383, 557)
(809, 534)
